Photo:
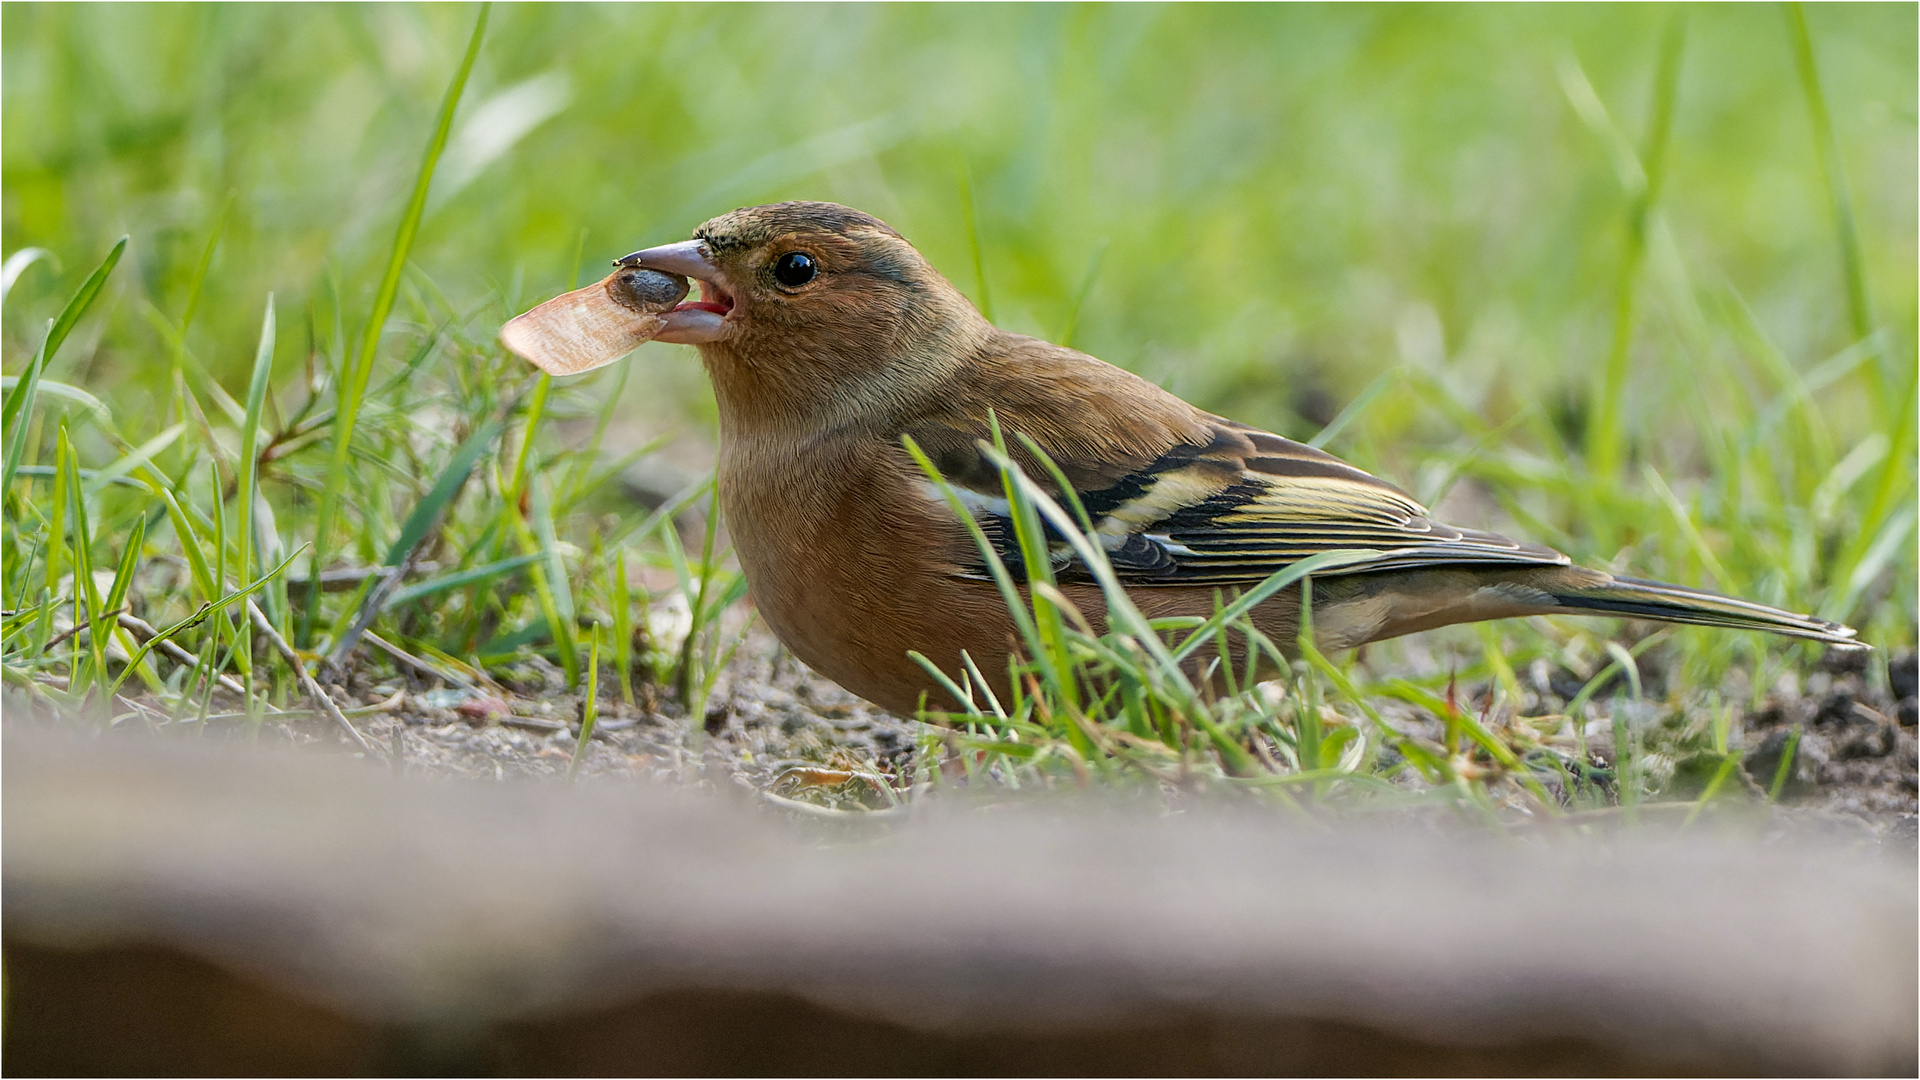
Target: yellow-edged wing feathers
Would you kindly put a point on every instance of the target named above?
(1239, 506)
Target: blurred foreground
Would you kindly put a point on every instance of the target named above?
(177, 907)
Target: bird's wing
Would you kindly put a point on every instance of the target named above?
(1231, 507)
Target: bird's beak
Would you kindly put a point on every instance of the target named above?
(698, 321)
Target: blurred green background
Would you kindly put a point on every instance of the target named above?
(1263, 208)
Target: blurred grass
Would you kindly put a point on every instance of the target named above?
(1464, 236)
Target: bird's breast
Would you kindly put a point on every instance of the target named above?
(852, 564)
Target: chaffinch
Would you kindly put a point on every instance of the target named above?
(829, 338)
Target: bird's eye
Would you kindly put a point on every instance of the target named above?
(794, 269)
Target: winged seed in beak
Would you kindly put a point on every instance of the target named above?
(594, 326)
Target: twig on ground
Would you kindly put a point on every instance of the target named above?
(140, 626)
(372, 606)
(145, 713)
(432, 671)
(314, 689)
(393, 703)
(346, 577)
(72, 630)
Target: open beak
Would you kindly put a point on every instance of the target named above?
(695, 322)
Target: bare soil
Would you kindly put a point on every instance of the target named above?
(775, 732)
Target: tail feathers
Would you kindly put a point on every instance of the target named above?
(1657, 600)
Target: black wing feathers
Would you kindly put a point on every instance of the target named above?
(1243, 505)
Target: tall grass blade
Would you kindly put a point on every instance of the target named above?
(459, 579)
(58, 553)
(16, 265)
(353, 389)
(972, 217)
(194, 287)
(1604, 420)
(205, 612)
(19, 419)
(137, 458)
(623, 624)
(86, 592)
(249, 487)
(117, 594)
(69, 316)
(1080, 294)
(190, 546)
(1833, 172)
(129, 566)
(70, 394)
(1895, 479)
(377, 592)
(19, 404)
(1345, 417)
(589, 705)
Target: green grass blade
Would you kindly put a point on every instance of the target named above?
(129, 565)
(460, 579)
(63, 325)
(190, 546)
(70, 394)
(589, 705)
(1784, 771)
(548, 572)
(117, 594)
(58, 554)
(421, 519)
(137, 458)
(1886, 543)
(1852, 265)
(16, 265)
(1259, 594)
(204, 612)
(249, 488)
(19, 404)
(1383, 382)
(1605, 419)
(351, 392)
(989, 555)
(973, 238)
(536, 410)
(684, 677)
(376, 593)
(623, 624)
(85, 590)
(1080, 294)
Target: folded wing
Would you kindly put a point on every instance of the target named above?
(1243, 504)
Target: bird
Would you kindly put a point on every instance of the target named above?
(833, 344)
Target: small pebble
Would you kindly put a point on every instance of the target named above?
(481, 708)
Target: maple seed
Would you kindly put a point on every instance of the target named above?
(592, 327)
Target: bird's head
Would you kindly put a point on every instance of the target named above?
(813, 310)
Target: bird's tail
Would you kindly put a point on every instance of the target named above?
(1657, 600)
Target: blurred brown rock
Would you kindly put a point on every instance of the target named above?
(178, 908)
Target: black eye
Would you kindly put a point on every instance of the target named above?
(794, 269)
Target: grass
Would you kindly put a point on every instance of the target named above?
(1635, 282)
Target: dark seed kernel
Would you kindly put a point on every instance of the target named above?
(647, 290)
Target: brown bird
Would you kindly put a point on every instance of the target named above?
(829, 340)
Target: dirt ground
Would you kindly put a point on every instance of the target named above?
(776, 733)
